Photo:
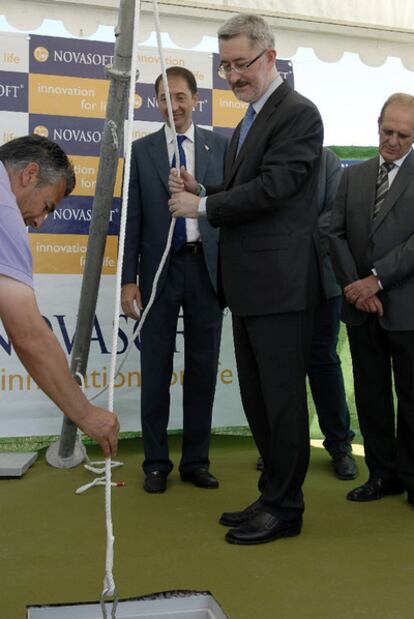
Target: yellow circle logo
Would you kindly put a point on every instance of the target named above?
(41, 130)
(41, 54)
(138, 102)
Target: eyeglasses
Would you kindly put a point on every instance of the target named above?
(225, 68)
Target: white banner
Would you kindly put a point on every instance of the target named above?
(25, 411)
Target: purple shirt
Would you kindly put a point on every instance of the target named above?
(15, 254)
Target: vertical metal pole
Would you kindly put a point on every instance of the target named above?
(63, 453)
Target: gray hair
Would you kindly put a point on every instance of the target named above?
(53, 162)
(252, 26)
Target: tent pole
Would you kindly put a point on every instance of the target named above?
(67, 452)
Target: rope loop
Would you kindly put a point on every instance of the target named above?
(106, 594)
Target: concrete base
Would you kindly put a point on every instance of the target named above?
(54, 459)
(15, 464)
(168, 605)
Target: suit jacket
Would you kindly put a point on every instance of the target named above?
(329, 177)
(149, 219)
(358, 244)
(267, 209)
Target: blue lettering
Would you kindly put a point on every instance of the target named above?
(66, 339)
(99, 337)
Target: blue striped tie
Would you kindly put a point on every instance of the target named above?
(245, 126)
(179, 235)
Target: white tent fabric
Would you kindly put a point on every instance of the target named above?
(375, 29)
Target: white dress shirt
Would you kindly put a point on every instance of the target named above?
(191, 225)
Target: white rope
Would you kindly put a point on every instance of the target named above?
(109, 587)
(166, 87)
(125, 204)
(99, 481)
(98, 466)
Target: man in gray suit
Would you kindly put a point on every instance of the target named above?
(372, 246)
(188, 281)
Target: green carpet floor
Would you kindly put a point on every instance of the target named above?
(352, 561)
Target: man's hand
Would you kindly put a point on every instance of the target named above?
(131, 301)
(361, 289)
(184, 182)
(371, 305)
(103, 427)
(184, 205)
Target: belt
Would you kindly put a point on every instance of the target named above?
(194, 248)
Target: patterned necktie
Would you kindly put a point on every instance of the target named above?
(179, 235)
(245, 126)
(382, 187)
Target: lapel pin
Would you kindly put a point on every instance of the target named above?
(206, 147)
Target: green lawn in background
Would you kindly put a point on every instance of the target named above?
(355, 152)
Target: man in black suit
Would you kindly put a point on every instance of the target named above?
(267, 212)
(372, 246)
(325, 374)
(188, 281)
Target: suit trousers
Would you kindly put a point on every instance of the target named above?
(326, 379)
(272, 353)
(187, 286)
(378, 356)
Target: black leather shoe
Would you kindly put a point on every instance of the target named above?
(260, 464)
(235, 519)
(344, 466)
(374, 489)
(202, 478)
(155, 481)
(262, 528)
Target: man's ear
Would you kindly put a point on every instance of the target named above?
(29, 174)
(272, 55)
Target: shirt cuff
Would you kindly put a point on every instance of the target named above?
(374, 272)
(202, 207)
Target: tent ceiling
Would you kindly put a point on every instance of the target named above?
(375, 29)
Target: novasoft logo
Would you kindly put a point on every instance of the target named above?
(41, 54)
(137, 101)
(87, 136)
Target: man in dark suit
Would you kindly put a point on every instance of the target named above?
(372, 246)
(325, 374)
(188, 281)
(267, 212)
